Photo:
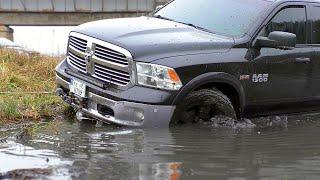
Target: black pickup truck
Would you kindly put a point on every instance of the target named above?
(192, 60)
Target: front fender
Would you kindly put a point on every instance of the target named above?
(211, 78)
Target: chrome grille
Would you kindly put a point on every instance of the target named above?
(111, 75)
(110, 55)
(77, 43)
(77, 61)
(99, 59)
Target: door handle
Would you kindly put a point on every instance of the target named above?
(302, 60)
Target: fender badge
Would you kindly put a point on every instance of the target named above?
(244, 77)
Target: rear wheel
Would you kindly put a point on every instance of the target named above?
(202, 105)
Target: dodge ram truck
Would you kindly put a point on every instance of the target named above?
(192, 60)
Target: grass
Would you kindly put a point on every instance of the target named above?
(27, 85)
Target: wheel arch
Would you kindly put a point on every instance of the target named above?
(224, 82)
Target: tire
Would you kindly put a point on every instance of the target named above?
(202, 105)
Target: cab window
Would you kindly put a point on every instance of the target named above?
(315, 17)
(291, 20)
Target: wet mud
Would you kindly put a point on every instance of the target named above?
(26, 174)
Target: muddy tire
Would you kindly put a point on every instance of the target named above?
(202, 105)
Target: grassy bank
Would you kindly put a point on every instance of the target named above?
(27, 85)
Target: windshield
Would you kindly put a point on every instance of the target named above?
(232, 17)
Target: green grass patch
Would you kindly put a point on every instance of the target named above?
(27, 84)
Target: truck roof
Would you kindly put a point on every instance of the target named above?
(312, 1)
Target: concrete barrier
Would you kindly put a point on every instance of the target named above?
(6, 32)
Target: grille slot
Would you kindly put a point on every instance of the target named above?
(107, 54)
(78, 43)
(77, 62)
(110, 75)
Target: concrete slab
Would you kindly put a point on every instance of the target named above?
(6, 32)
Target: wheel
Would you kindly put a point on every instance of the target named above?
(203, 105)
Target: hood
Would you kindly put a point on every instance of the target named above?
(149, 39)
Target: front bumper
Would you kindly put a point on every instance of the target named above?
(124, 113)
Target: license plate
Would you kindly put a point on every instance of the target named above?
(78, 88)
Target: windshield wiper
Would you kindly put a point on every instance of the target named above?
(195, 26)
(188, 24)
(165, 18)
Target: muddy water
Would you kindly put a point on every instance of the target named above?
(277, 148)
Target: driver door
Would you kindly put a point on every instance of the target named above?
(287, 71)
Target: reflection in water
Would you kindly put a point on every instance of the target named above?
(80, 150)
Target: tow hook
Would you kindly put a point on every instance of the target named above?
(80, 116)
(59, 92)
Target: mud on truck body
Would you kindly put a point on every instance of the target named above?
(192, 60)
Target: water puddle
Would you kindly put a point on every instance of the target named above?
(21, 161)
(278, 147)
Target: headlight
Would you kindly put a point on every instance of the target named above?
(158, 76)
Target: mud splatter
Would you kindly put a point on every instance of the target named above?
(274, 122)
(26, 174)
(227, 122)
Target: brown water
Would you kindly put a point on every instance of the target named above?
(274, 149)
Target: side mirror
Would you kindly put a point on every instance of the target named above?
(277, 39)
(159, 7)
